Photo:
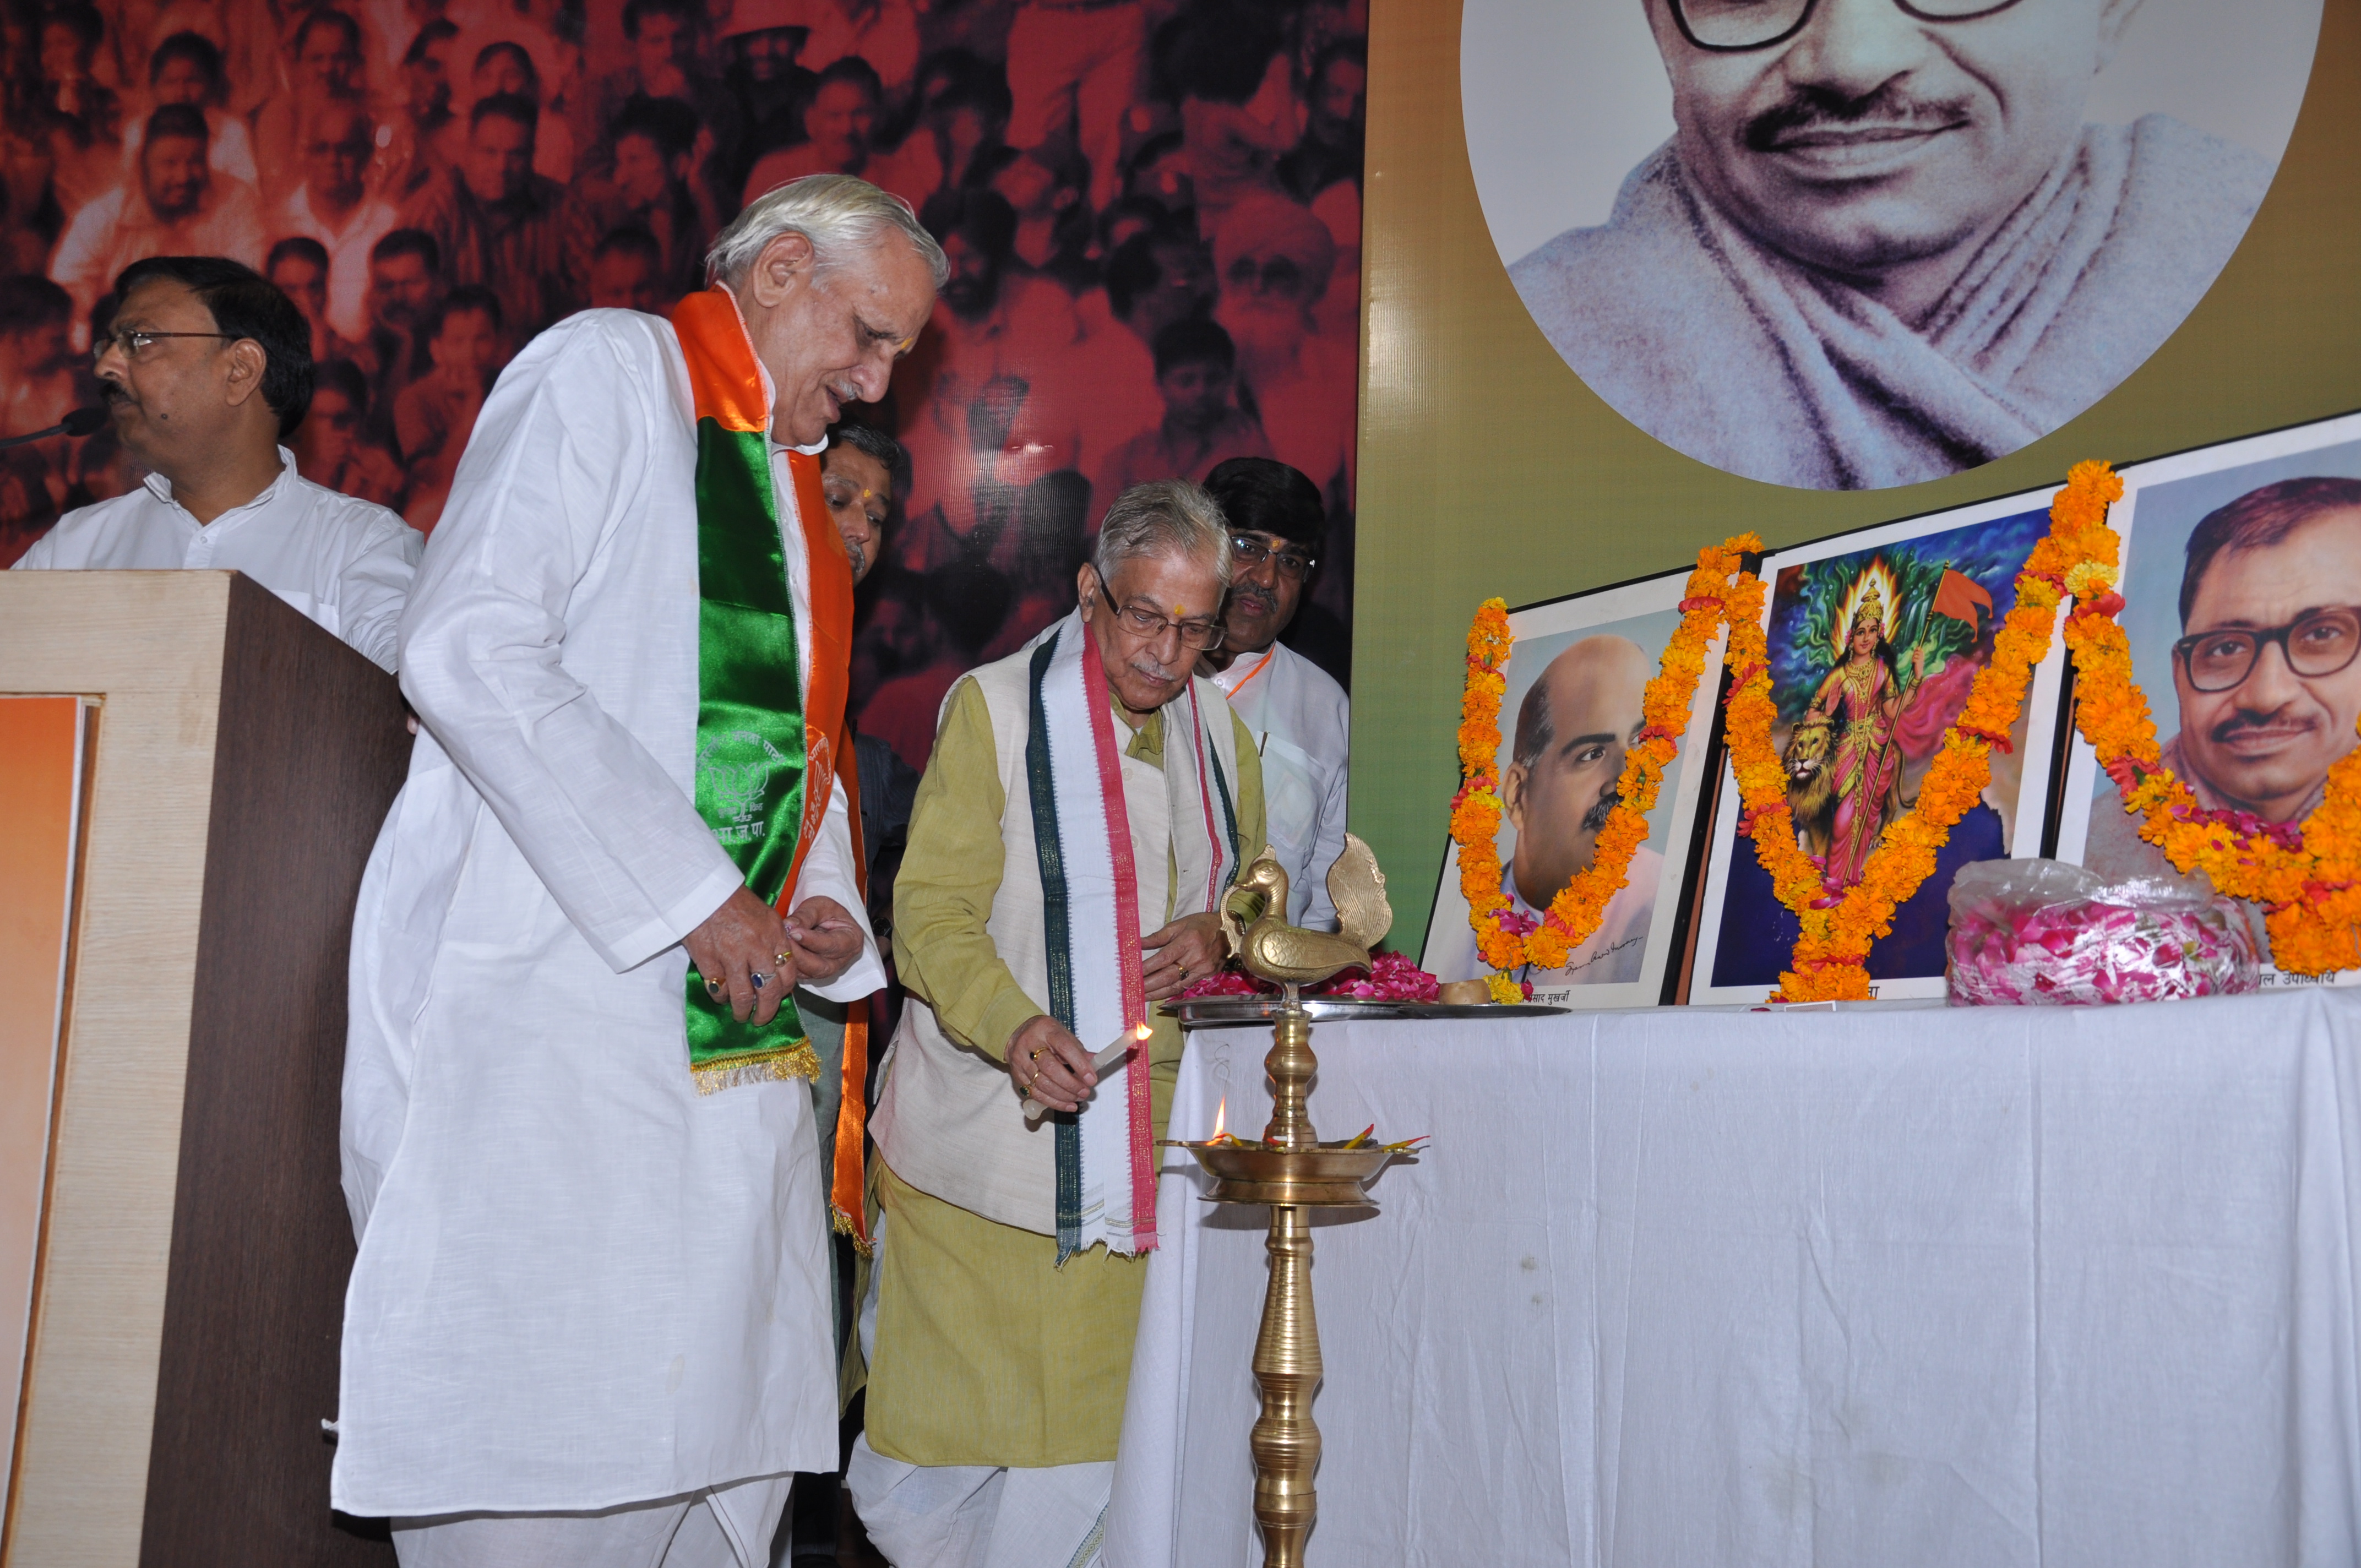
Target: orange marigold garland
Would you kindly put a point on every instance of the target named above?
(2308, 878)
(1831, 955)
(1506, 940)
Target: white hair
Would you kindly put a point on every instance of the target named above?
(1163, 518)
(843, 216)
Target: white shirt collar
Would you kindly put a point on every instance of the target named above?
(161, 488)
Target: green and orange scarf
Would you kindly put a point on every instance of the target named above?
(766, 749)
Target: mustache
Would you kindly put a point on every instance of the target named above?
(1594, 819)
(112, 392)
(1148, 665)
(2244, 721)
(857, 557)
(1815, 108)
(1254, 599)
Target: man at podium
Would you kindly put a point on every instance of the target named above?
(205, 369)
(590, 1321)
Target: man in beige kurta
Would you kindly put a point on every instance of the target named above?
(996, 1375)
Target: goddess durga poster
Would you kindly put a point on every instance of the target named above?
(1874, 641)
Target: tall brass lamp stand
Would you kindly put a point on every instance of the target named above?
(1292, 1171)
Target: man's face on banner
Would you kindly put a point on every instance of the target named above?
(499, 159)
(1559, 801)
(429, 81)
(181, 81)
(839, 121)
(642, 176)
(1871, 138)
(174, 173)
(336, 152)
(329, 64)
(401, 291)
(626, 279)
(2267, 741)
(662, 46)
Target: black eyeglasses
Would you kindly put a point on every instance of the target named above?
(135, 341)
(2317, 643)
(1150, 627)
(1249, 552)
(1729, 26)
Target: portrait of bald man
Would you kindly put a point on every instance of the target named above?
(2267, 669)
(1566, 758)
(1888, 228)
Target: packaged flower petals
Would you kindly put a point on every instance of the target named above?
(2047, 933)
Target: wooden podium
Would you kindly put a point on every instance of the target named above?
(194, 1244)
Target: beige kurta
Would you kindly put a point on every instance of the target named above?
(986, 1351)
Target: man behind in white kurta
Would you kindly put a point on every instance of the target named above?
(1299, 717)
(589, 1323)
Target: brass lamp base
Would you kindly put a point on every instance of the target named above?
(1291, 1171)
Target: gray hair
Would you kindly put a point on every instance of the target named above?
(843, 216)
(1166, 517)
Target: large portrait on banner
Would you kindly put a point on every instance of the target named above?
(1910, 235)
(1875, 639)
(2242, 590)
(1575, 678)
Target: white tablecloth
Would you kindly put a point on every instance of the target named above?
(1886, 1288)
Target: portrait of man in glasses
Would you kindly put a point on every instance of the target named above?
(1890, 228)
(2265, 669)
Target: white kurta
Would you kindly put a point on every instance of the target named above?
(580, 1283)
(1301, 722)
(343, 561)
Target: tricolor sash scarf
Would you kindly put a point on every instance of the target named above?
(847, 1180)
(766, 749)
(1090, 920)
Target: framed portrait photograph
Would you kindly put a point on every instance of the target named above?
(2241, 603)
(1897, 270)
(1875, 638)
(1576, 679)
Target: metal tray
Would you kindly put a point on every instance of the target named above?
(1227, 1012)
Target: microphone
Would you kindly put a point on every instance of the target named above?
(79, 422)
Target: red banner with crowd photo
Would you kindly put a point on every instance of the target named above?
(1151, 209)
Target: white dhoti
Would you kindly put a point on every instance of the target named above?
(970, 1516)
(973, 1515)
(728, 1527)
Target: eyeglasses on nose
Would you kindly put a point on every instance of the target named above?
(2317, 643)
(135, 343)
(1251, 552)
(1150, 627)
(1727, 27)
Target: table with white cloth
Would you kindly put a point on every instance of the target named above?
(2037, 1286)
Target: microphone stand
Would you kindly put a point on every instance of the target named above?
(78, 424)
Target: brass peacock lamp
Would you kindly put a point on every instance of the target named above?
(1291, 1170)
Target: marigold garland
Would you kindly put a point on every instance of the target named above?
(1830, 957)
(1506, 940)
(2307, 876)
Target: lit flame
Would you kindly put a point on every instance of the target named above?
(1221, 1119)
(1876, 573)
(1141, 1031)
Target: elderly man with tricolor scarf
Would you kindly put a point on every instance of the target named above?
(589, 1322)
(1087, 802)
